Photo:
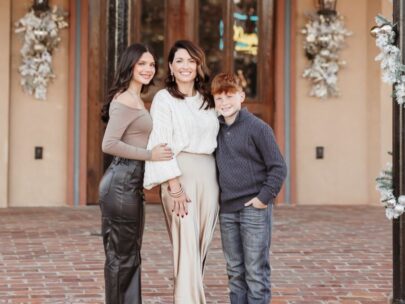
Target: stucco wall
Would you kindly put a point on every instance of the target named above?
(5, 22)
(353, 127)
(385, 112)
(38, 123)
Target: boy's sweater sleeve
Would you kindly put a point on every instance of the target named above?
(274, 162)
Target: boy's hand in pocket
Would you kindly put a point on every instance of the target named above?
(256, 203)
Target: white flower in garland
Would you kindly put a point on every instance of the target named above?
(400, 91)
(41, 37)
(390, 57)
(324, 38)
(393, 207)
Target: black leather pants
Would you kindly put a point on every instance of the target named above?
(122, 209)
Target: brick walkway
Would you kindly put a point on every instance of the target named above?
(319, 255)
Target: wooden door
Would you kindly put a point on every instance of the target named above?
(95, 98)
(238, 37)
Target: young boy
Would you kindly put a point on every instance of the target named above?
(251, 172)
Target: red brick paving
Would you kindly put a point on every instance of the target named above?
(319, 255)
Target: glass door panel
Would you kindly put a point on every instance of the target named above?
(246, 44)
(152, 33)
(210, 33)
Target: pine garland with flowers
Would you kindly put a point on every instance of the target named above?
(390, 57)
(392, 71)
(41, 38)
(393, 207)
(325, 36)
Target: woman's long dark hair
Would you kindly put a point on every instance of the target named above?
(124, 74)
(201, 81)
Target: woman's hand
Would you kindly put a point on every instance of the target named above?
(161, 152)
(256, 203)
(178, 197)
(180, 205)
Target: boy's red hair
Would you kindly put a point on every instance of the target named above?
(225, 83)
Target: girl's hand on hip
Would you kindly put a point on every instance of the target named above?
(161, 152)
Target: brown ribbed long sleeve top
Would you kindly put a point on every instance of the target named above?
(127, 132)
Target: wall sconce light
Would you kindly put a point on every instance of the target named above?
(40, 5)
(326, 7)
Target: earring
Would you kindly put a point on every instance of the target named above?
(173, 79)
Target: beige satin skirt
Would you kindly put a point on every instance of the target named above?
(192, 235)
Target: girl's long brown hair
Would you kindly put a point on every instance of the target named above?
(124, 74)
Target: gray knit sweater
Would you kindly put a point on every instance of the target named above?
(249, 162)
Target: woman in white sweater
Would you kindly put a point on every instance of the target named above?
(184, 117)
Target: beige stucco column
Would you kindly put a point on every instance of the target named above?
(5, 23)
(38, 123)
(379, 104)
(354, 128)
(386, 105)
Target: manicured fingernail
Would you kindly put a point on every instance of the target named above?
(182, 216)
(186, 213)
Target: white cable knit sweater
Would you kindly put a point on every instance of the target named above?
(184, 127)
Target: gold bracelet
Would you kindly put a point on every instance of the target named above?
(176, 194)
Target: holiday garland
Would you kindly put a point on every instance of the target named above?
(393, 207)
(392, 73)
(390, 57)
(41, 37)
(324, 38)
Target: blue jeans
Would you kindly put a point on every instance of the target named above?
(246, 238)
